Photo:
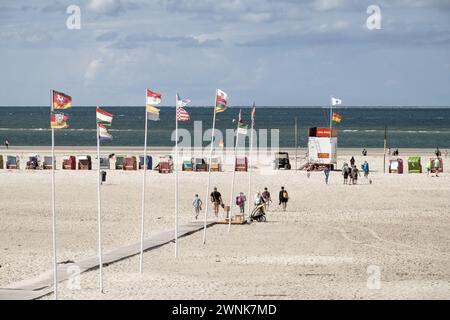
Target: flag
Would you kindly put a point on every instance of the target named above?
(221, 101)
(103, 133)
(182, 114)
(336, 117)
(242, 128)
(104, 117)
(335, 101)
(58, 121)
(153, 98)
(152, 113)
(61, 101)
(253, 114)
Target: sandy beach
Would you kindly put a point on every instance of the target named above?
(326, 246)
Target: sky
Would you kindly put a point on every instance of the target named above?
(274, 52)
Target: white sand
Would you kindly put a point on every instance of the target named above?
(321, 248)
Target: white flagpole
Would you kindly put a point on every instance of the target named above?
(176, 176)
(331, 117)
(209, 169)
(99, 209)
(55, 265)
(234, 174)
(143, 190)
(249, 196)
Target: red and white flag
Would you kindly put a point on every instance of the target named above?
(153, 98)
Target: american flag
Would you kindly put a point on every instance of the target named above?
(182, 114)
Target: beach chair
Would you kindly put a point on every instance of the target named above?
(69, 163)
(1, 161)
(33, 162)
(414, 165)
(396, 166)
(241, 164)
(165, 164)
(104, 162)
(216, 164)
(187, 165)
(200, 164)
(84, 163)
(12, 162)
(129, 163)
(47, 163)
(119, 162)
(149, 162)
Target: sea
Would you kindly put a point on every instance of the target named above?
(361, 127)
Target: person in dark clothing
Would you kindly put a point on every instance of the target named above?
(6, 143)
(283, 197)
(352, 161)
(216, 199)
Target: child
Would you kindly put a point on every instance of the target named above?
(197, 204)
(240, 201)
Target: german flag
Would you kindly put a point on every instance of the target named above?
(336, 117)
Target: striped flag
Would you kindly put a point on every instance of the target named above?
(253, 114)
(153, 98)
(104, 117)
(182, 114)
(103, 133)
(336, 117)
(152, 113)
(61, 101)
(59, 120)
(221, 101)
(242, 128)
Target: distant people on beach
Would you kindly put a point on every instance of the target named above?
(365, 169)
(395, 152)
(346, 172)
(266, 197)
(283, 197)
(437, 152)
(436, 166)
(197, 204)
(352, 161)
(364, 152)
(240, 201)
(326, 171)
(7, 143)
(354, 174)
(216, 199)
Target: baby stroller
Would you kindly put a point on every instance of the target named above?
(258, 213)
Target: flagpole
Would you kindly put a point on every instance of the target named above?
(296, 142)
(55, 265)
(99, 209)
(250, 167)
(331, 117)
(384, 153)
(234, 174)
(176, 176)
(141, 259)
(209, 170)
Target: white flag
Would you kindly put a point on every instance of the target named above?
(335, 101)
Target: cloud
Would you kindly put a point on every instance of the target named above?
(325, 5)
(107, 36)
(112, 7)
(93, 68)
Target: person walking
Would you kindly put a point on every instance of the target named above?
(352, 161)
(266, 197)
(436, 166)
(354, 175)
(197, 204)
(240, 202)
(7, 143)
(216, 199)
(345, 172)
(365, 168)
(326, 171)
(284, 198)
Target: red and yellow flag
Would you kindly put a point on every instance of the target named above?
(61, 101)
(59, 121)
(337, 117)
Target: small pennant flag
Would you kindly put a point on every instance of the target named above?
(59, 121)
(221, 101)
(335, 101)
(253, 114)
(336, 117)
(153, 98)
(152, 113)
(61, 101)
(242, 128)
(182, 114)
(104, 117)
(103, 133)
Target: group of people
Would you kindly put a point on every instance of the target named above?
(351, 172)
(433, 164)
(261, 200)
